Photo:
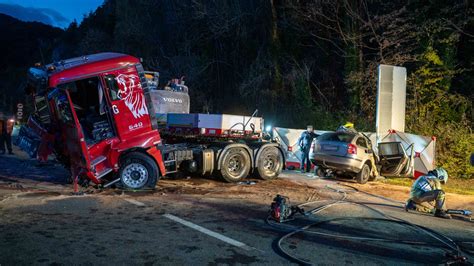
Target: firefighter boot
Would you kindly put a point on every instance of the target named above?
(442, 214)
(410, 205)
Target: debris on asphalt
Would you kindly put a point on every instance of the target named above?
(247, 183)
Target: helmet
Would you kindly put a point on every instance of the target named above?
(349, 125)
(441, 174)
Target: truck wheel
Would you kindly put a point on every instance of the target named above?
(137, 171)
(363, 176)
(235, 164)
(269, 163)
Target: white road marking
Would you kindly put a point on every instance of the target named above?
(209, 232)
(135, 202)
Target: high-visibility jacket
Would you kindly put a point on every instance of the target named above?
(424, 184)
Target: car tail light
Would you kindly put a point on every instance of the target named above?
(352, 149)
(290, 148)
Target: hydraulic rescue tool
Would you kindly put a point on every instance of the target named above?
(281, 210)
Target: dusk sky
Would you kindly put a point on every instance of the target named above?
(55, 12)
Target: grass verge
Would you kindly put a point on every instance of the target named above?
(454, 185)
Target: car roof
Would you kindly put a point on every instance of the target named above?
(343, 132)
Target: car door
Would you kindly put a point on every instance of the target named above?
(409, 169)
(71, 132)
(394, 160)
(363, 149)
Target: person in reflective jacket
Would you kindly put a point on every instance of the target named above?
(427, 188)
(6, 129)
(304, 142)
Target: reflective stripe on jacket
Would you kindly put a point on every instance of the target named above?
(424, 184)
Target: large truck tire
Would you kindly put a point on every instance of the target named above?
(269, 163)
(235, 164)
(138, 171)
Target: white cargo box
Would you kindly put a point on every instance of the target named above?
(216, 124)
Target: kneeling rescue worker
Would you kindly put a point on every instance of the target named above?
(427, 188)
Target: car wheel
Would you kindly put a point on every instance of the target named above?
(235, 165)
(363, 176)
(138, 171)
(269, 163)
(320, 171)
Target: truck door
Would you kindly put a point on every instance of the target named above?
(29, 140)
(128, 103)
(71, 132)
(395, 160)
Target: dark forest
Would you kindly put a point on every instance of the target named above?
(297, 62)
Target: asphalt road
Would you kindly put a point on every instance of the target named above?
(219, 224)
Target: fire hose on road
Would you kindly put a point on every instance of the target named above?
(454, 253)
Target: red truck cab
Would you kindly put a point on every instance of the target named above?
(98, 119)
(100, 115)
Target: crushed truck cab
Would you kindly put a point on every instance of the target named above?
(101, 116)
